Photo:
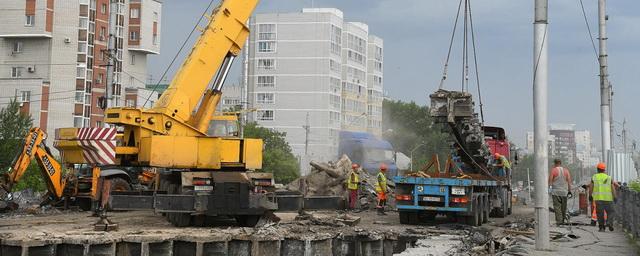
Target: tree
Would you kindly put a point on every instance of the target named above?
(277, 157)
(14, 126)
(407, 126)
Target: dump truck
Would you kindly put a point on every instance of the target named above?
(467, 188)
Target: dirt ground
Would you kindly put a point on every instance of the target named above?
(443, 237)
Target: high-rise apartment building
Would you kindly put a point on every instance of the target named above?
(312, 74)
(54, 56)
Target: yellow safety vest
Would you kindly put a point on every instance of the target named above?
(602, 187)
(352, 181)
(505, 162)
(381, 185)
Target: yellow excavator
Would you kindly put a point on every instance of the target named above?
(78, 186)
(200, 175)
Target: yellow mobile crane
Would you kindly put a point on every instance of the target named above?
(200, 175)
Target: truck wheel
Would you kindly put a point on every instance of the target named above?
(119, 184)
(247, 220)
(178, 219)
(510, 209)
(474, 219)
(504, 204)
(486, 209)
(404, 217)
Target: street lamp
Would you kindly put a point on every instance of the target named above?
(411, 155)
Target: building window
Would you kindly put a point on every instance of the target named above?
(268, 46)
(130, 103)
(155, 39)
(334, 65)
(103, 9)
(155, 16)
(78, 121)
(17, 47)
(336, 40)
(265, 98)
(16, 72)
(266, 81)
(79, 98)
(265, 115)
(133, 59)
(133, 36)
(266, 31)
(99, 79)
(30, 20)
(135, 13)
(267, 64)
(25, 96)
(103, 33)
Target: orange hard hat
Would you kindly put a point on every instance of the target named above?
(383, 167)
(497, 155)
(355, 166)
(601, 166)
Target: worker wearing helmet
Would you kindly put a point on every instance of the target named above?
(502, 165)
(352, 186)
(602, 191)
(381, 189)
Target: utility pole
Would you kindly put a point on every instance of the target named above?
(245, 86)
(624, 136)
(605, 89)
(111, 53)
(540, 79)
(306, 127)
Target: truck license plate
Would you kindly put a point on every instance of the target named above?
(457, 191)
(431, 199)
(203, 188)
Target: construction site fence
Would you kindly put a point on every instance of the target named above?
(627, 209)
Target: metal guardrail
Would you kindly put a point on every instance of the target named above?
(627, 209)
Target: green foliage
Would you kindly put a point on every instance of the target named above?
(635, 185)
(32, 179)
(276, 156)
(13, 128)
(407, 126)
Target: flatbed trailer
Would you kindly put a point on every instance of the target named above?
(469, 200)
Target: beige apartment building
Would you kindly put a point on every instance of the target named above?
(54, 56)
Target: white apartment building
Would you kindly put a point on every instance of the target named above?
(53, 55)
(313, 65)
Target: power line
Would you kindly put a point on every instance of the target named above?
(195, 26)
(50, 100)
(586, 22)
(39, 94)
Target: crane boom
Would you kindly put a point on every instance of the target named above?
(173, 133)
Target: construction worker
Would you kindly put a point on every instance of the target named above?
(502, 165)
(560, 182)
(602, 192)
(381, 189)
(352, 186)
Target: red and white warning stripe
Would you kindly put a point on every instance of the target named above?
(98, 145)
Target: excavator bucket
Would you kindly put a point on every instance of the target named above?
(95, 146)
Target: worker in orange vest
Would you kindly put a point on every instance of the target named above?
(381, 189)
(352, 186)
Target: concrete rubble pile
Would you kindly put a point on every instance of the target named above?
(329, 179)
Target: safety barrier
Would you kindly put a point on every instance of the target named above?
(627, 209)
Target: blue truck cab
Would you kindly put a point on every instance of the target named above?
(368, 151)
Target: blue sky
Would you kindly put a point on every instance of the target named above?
(416, 36)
